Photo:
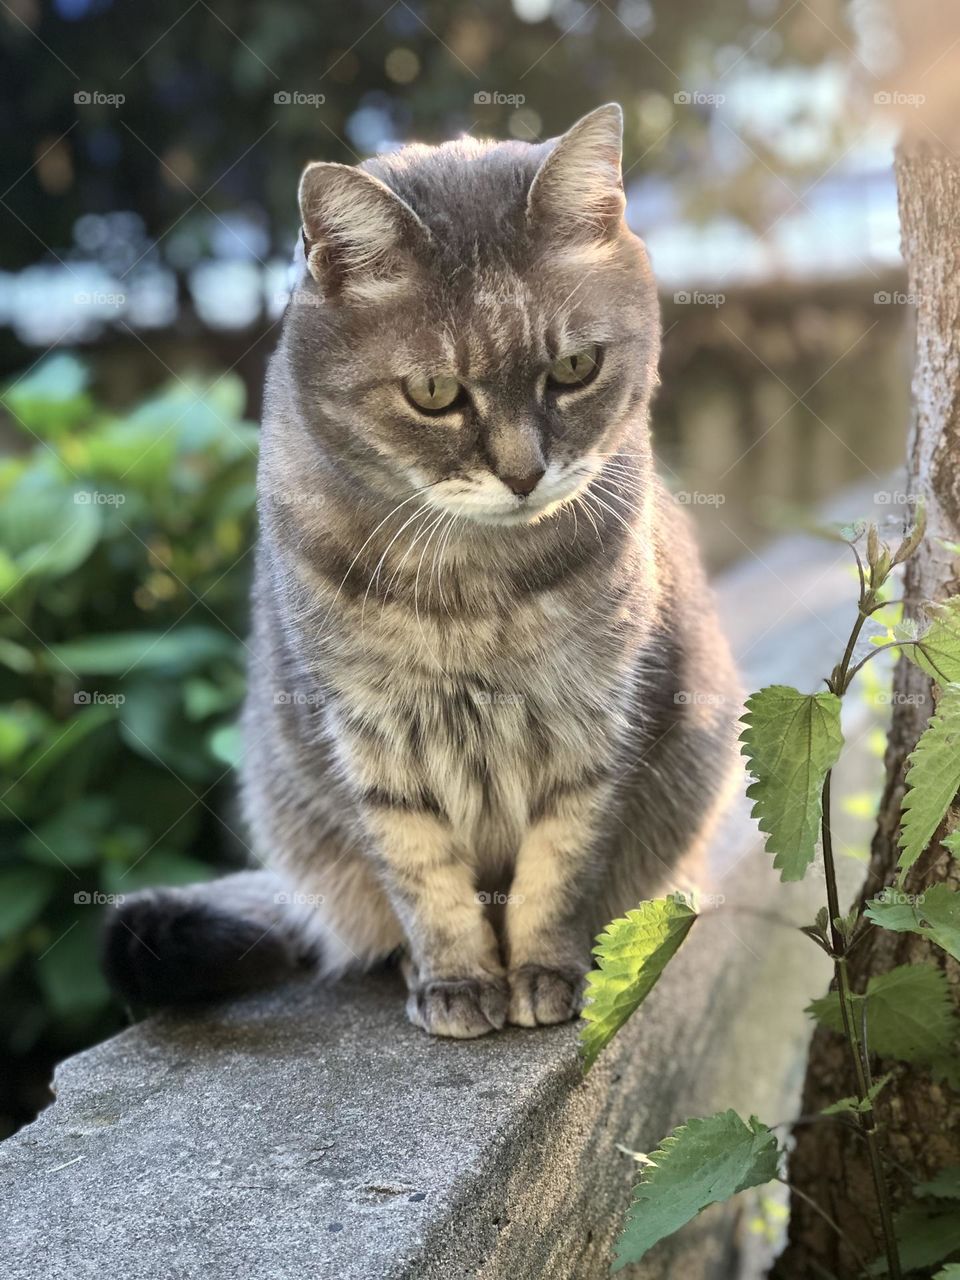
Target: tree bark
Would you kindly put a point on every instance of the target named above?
(920, 1118)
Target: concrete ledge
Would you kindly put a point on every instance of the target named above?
(312, 1132)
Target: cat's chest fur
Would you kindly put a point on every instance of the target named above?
(486, 719)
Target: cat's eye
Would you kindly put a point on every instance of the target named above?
(433, 393)
(576, 370)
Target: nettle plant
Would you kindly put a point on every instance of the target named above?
(792, 741)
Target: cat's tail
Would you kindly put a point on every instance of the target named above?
(179, 945)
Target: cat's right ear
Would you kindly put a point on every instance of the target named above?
(358, 235)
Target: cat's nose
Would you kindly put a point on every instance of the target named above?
(525, 484)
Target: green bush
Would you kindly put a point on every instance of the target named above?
(124, 558)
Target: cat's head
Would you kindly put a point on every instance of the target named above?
(475, 320)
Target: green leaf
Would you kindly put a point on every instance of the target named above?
(16, 656)
(933, 777)
(117, 653)
(46, 529)
(160, 866)
(227, 745)
(791, 740)
(951, 1271)
(937, 650)
(153, 725)
(69, 969)
(702, 1162)
(934, 913)
(23, 895)
(909, 1016)
(51, 398)
(73, 835)
(945, 1184)
(632, 953)
(925, 1237)
(854, 1105)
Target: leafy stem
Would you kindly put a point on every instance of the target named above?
(866, 1117)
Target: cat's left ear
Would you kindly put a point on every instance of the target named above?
(577, 192)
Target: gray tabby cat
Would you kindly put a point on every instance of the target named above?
(489, 704)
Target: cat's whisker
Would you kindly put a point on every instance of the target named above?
(376, 573)
(443, 551)
(416, 584)
(589, 514)
(416, 493)
(611, 511)
(395, 577)
(632, 506)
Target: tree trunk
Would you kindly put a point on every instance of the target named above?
(920, 1118)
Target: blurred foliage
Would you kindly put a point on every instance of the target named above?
(124, 546)
(200, 132)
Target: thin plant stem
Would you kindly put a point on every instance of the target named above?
(831, 1222)
(866, 1116)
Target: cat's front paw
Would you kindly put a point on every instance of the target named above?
(541, 997)
(463, 1008)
